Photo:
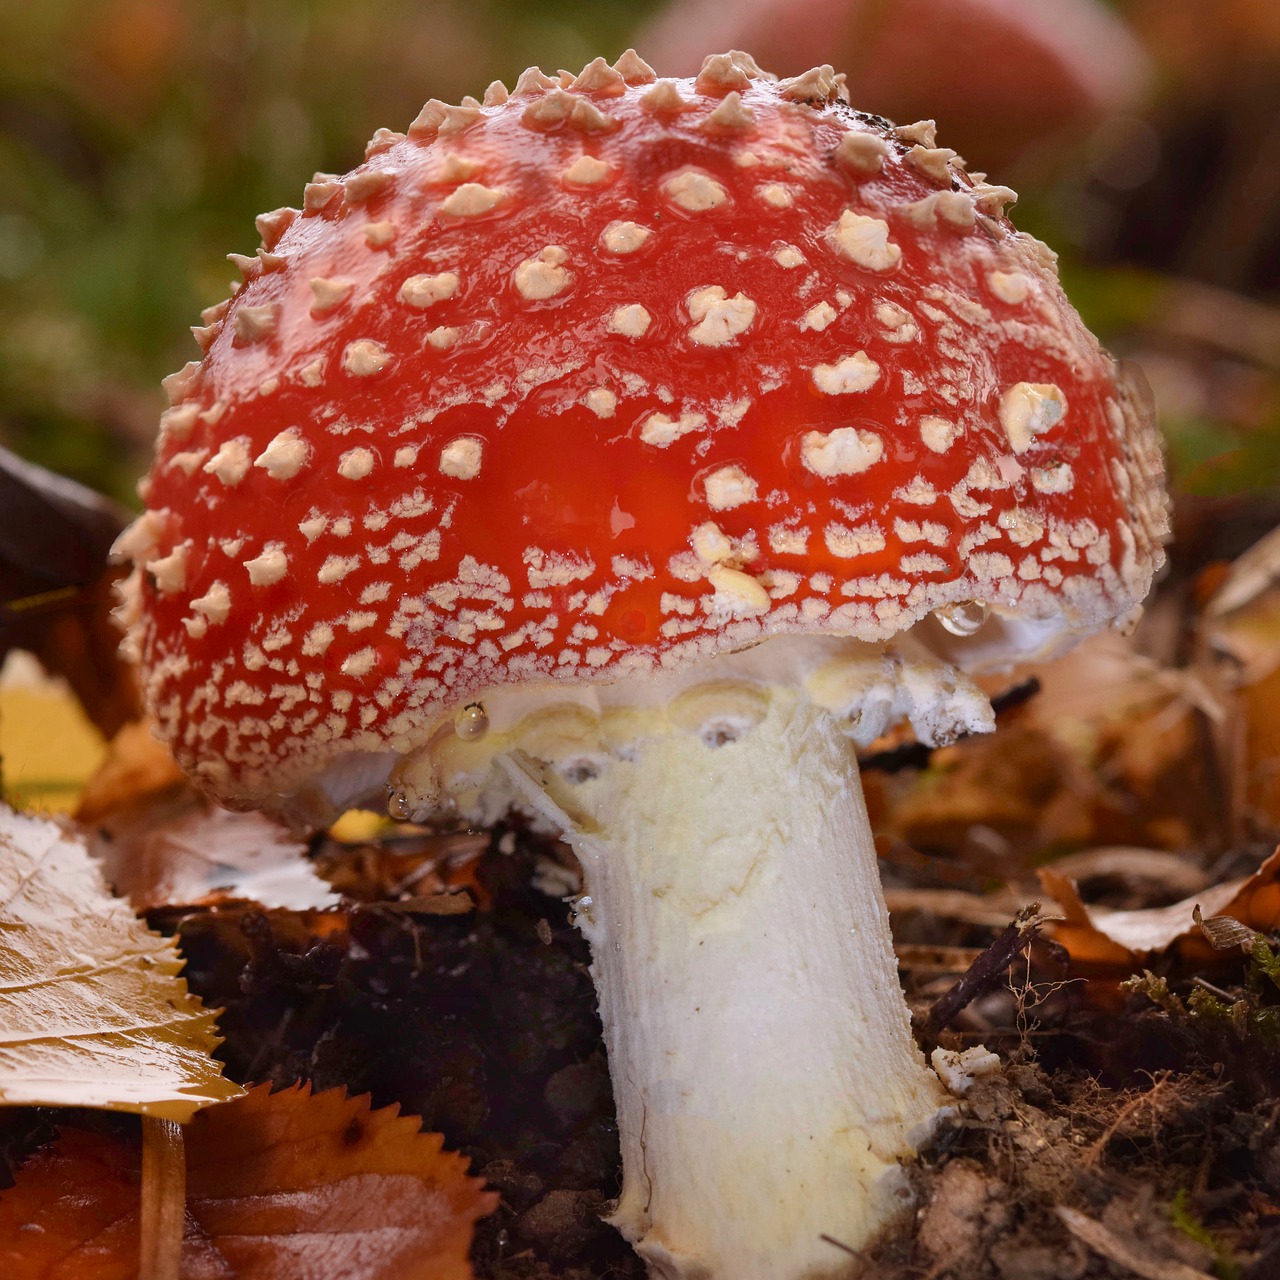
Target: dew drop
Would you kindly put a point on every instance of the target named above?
(472, 722)
(963, 619)
(398, 805)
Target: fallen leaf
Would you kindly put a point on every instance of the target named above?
(1126, 1253)
(1100, 936)
(136, 765)
(48, 745)
(163, 844)
(279, 1186)
(57, 589)
(92, 1011)
(178, 849)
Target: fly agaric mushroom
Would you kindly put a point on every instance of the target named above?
(595, 448)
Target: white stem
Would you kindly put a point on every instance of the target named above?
(766, 1081)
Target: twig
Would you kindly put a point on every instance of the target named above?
(986, 972)
(164, 1199)
(1110, 1246)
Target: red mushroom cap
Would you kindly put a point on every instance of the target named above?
(606, 376)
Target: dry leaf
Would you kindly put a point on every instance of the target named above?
(92, 1012)
(137, 764)
(1097, 935)
(162, 844)
(178, 849)
(280, 1186)
(57, 590)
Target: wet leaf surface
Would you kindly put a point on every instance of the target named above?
(279, 1187)
(92, 1011)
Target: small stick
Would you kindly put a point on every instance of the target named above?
(164, 1199)
(985, 972)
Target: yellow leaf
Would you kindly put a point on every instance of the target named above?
(92, 1011)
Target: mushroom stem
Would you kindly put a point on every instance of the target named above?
(765, 1077)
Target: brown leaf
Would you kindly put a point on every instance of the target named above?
(56, 589)
(1099, 936)
(92, 1011)
(279, 1186)
(136, 766)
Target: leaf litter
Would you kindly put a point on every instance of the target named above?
(279, 1186)
(92, 1010)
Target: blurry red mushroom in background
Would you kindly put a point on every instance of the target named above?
(999, 75)
(592, 449)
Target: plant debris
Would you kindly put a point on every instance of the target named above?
(92, 1011)
(268, 1176)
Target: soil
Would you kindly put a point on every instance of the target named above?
(1127, 1134)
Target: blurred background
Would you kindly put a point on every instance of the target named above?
(139, 138)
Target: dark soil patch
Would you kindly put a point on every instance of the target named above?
(485, 1025)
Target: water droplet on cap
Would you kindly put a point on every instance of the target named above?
(472, 722)
(963, 619)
